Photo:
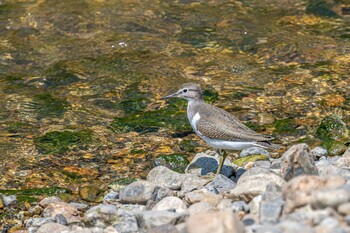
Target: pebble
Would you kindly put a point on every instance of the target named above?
(171, 203)
(200, 207)
(111, 195)
(202, 195)
(318, 152)
(138, 192)
(149, 219)
(48, 200)
(193, 182)
(254, 151)
(101, 215)
(297, 161)
(9, 200)
(220, 184)
(253, 183)
(68, 211)
(214, 221)
(165, 177)
(52, 228)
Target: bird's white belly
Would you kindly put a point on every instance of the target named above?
(231, 145)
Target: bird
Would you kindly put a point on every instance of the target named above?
(217, 127)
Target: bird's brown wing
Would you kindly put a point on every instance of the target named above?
(216, 123)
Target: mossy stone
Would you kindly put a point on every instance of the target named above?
(252, 158)
(48, 106)
(175, 162)
(121, 183)
(334, 134)
(59, 142)
(91, 193)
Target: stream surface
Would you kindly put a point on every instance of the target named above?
(81, 81)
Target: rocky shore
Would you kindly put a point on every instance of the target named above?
(303, 191)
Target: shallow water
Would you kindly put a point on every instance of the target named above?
(97, 68)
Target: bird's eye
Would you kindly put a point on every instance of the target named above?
(184, 90)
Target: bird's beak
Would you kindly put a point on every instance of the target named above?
(169, 96)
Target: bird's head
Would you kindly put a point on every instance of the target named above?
(188, 91)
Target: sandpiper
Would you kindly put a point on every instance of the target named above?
(220, 129)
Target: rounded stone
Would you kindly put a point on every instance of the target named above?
(138, 192)
(254, 151)
(169, 203)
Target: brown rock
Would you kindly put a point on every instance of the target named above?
(202, 195)
(297, 161)
(91, 193)
(224, 221)
(67, 210)
(47, 200)
(297, 192)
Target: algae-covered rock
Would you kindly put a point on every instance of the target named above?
(334, 134)
(175, 162)
(286, 127)
(241, 161)
(172, 116)
(57, 142)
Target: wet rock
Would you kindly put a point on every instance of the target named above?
(175, 162)
(150, 219)
(214, 221)
(318, 152)
(9, 200)
(90, 193)
(296, 161)
(204, 163)
(200, 207)
(254, 151)
(52, 228)
(47, 200)
(101, 215)
(329, 198)
(202, 195)
(163, 176)
(253, 183)
(67, 210)
(219, 184)
(168, 228)
(171, 203)
(297, 192)
(111, 195)
(193, 182)
(138, 192)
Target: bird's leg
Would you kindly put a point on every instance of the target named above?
(221, 161)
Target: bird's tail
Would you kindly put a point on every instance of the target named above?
(268, 145)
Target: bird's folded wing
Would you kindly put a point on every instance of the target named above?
(220, 124)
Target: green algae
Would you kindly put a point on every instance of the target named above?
(29, 195)
(252, 158)
(59, 142)
(60, 74)
(175, 162)
(285, 126)
(170, 117)
(47, 105)
(334, 134)
(188, 145)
